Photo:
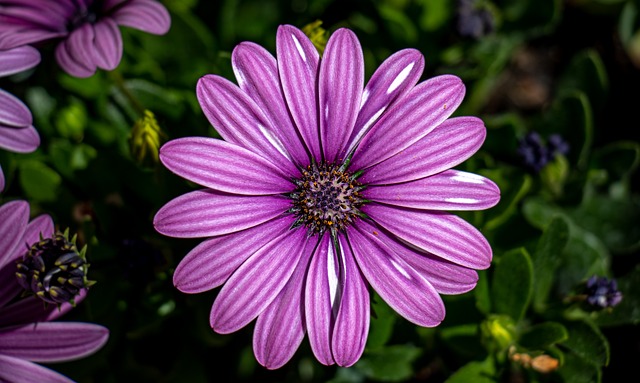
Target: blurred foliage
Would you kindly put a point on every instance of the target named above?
(555, 67)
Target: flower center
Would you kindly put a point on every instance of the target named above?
(54, 270)
(326, 198)
(84, 14)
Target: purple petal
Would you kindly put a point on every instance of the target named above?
(32, 309)
(52, 341)
(10, 288)
(23, 140)
(75, 54)
(352, 322)
(257, 282)
(16, 370)
(397, 75)
(446, 277)
(257, 73)
(319, 297)
(449, 190)
(146, 15)
(340, 87)
(17, 38)
(280, 328)
(13, 113)
(439, 233)
(219, 165)
(209, 264)
(208, 213)
(404, 289)
(448, 145)
(14, 217)
(107, 45)
(238, 119)
(298, 62)
(1, 179)
(410, 119)
(18, 60)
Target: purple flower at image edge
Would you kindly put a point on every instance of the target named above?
(322, 188)
(88, 29)
(27, 334)
(17, 133)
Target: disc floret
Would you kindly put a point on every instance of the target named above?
(54, 270)
(327, 198)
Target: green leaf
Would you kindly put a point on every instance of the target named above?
(514, 186)
(464, 340)
(476, 372)
(577, 370)
(586, 341)
(389, 364)
(547, 258)
(543, 335)
(381, 326)
(512, 284)
(40, 182)
(482, 293)
(586, 73)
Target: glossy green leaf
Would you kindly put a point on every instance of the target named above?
(546, 259)
(476, 372)
(543, 335)
(381, 323)
(586, 341)
(389, 364)
(577, 370)
(512, 284)
(40, 182)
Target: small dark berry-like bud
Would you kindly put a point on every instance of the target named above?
(54, 270)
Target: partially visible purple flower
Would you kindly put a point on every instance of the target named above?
(474, 19)
(17, 133)
(602, 292)
(26, 333)
(88, 28)
(536, 155)
(324, 188)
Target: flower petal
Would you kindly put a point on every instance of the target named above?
(1, 179)
(340, 90)
(257, 73)
(446, 277)
(17, 370)
(107, 45)
(17, 60)
(404, 289)
(74, 54)
(52, 341)
(13, 113)
(449, 190)
(146, 15)
(208, 213)
(210, 263)
(319, 297)
(23, 140)
(352, 322)
(280, 328)
(18, 37)
(257, 282)
(397, 75)
(448, 145)
(14, 217)
(413, 117)
(443, 234)
(298, 64)
(238, 119)
(32, 309)
(10, 288)
(219, 165)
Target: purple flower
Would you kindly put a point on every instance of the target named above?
(322, 188)
(602, 292)
(26, 333)
(17, 133)
(88, 28)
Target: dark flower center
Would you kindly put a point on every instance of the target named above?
(54, 270)
(85, 14)
(326, 198)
